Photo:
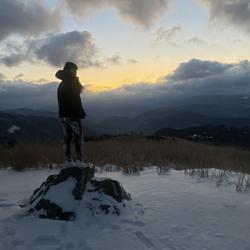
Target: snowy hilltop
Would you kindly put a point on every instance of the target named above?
(168, 211)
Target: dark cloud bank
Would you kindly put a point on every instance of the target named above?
(235, 12)
(140, 12)
(190, 79)
(55, 49)
(71, 46)
(26, 18)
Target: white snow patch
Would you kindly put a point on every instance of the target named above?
(61, 194)
(13, 129)
(194, 136)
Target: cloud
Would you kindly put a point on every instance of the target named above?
(75, 46)
(55, 49)
(195, 69)
(139, 12)
(233, 12)
(12, 53)
(2, 76)
(18, 93)
(132, 61)
(26, 18)
(196, 41)
(13, 59)
(192, 78)
(198, 77)
(114, 60)
(167, 34)
(18, 76)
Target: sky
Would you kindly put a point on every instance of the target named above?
(143, 44)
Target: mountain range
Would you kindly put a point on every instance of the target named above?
(198, 111)
(154, 120)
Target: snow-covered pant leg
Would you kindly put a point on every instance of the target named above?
(73, 128)
(78, 136)
(68, 135)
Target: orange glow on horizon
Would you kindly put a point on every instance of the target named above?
(104, 79)
(95, 79)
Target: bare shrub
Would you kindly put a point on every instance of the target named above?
(161, 170)
(240, 182)
(131, 170)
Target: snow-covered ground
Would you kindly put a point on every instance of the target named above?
(168, 212)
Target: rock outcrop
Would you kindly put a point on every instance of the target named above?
(61, 194)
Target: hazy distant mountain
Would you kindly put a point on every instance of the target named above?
(219, 106)
(211, 134)
(26, 111)
(31, 127)
(151, 121)
(176, 113)
(98, 112)
(227, 106)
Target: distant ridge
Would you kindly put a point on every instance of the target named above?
(151, 121)
(219, 134)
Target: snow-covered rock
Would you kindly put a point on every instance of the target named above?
(60, 195)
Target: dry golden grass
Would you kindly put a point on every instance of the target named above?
(131, 152)
(27, 155)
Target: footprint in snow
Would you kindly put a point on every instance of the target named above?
(145, 240)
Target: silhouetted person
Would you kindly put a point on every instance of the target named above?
(71, 110)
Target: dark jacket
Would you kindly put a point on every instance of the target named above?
(68, 96)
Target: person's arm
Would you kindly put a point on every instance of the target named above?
(79, 84)
(59, 74)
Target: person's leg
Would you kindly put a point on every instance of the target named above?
(78, 136)
(67, 140)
